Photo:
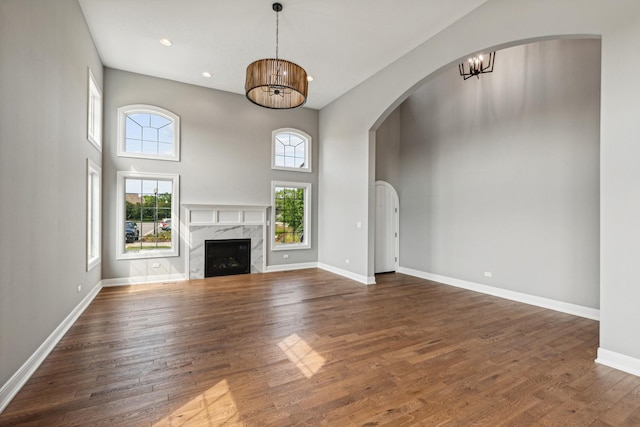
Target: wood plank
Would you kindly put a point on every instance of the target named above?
(313, 348)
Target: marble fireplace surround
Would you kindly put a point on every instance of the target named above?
(217, 222)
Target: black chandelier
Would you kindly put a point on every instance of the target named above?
(476, 66)
(274, 82)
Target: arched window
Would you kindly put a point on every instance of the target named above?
(148, 132)
(291, 150)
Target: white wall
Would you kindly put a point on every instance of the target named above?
(620, 187)
(45, 52)
(346, 155)
(225, 159)
(501, 174)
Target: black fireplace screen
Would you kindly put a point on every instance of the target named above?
(225, 257)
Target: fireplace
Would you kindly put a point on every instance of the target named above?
(220, 222)
(226, 257)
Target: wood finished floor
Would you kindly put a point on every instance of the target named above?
(312, 348)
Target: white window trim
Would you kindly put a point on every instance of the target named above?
(142, 108)
(121, 253)
(94, 214)
(94, 113)
(307, 151)
(307, 216)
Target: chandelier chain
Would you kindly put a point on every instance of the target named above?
(277, 31)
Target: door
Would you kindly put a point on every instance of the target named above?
(387, 225)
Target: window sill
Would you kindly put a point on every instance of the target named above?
(173, 158)
(290, 247)
(92, 263)
(278, 168)
(146, 254)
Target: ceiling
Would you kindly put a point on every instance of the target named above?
(339, 42)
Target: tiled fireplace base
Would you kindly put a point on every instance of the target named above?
(198, 234)
(217, 222)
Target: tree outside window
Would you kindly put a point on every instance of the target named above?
(290, 215)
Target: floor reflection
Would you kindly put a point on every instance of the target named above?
(302, 355)
(213, 407)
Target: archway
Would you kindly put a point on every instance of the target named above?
(476, 204)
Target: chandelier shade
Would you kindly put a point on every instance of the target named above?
(276, 83)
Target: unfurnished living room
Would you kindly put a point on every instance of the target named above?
(361, 213)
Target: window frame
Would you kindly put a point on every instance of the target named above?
(94, 112)
(307, 159)
(94, 214)
(306, 244)
(126, 110)
(121, 253)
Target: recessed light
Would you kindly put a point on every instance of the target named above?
(206, 74)
(309, 78)
(165, 42)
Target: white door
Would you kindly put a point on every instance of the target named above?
(387, 221)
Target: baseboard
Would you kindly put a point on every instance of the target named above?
(289, 267)
(141, 280)
(348, 274)
(564, 307)
(618, 361)
(22, 375)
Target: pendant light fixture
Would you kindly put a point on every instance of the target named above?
(276, 83)
(477, 66)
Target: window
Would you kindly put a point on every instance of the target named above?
(148, 132)
(94, 175)
(147, 215)
(290, 215)
(291, 150)
(94, 113)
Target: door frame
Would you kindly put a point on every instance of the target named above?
(396, 223)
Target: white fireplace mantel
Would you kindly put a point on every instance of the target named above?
(215, 221)
(205, 214)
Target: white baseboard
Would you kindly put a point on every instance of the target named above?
(289, 267)
(564, 307)
(618, 361)
(141, 280)
(22, 375)
(348, 274)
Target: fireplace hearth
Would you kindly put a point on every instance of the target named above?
(227, 257)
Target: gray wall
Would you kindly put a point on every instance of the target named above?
(501, 174)
(619, 188)
(388, 150)
(225, 158)
(45, 52)
(347, 154)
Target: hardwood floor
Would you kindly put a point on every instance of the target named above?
(312, 348)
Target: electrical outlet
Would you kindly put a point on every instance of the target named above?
(358, 224)
(347, 261)
(487, 274)
(285, 256)
(155, 265)
(79, 288)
